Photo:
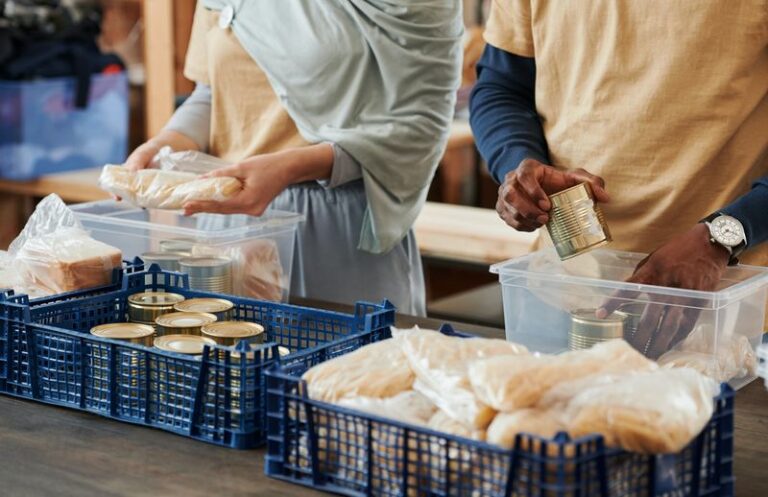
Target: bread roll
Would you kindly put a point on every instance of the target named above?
(155, 188)
(506, 426)
(379, 370)
(508, 383)
(651, 412)
(67, 260)
(441, 365)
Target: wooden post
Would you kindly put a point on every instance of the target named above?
(159, 63)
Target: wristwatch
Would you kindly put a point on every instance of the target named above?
(727, 232)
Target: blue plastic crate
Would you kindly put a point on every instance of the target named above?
(41, 131)
(49, 355)
(347, 452)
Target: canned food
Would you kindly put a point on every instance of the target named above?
(183, 323)
(211, 274)
(180, 245)
(576, 222)
(130, 364)
(220, 308)
(632, 312)
(231, 332)
(183, 344)
(167, 261)
(146, 307)
(588, 330)
(129, 332)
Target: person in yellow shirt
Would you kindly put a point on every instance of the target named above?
(661, 106)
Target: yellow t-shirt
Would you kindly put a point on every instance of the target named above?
(247, 117)
(667, 100)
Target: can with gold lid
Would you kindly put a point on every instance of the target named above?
(230, 332)
(130, 332)
(183, 323)
(146, 307)
(220, 308)
(576, 222)
(183, 344)
(587, 329)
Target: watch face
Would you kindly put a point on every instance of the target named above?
(727, 231)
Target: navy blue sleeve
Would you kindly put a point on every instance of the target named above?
(503, 115)
(752, 210)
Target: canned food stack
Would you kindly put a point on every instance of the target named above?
(220, 308)
(587, 329)
(168, 261)
(576, 223)
(146, 307)
(183, 323)
(209, 274)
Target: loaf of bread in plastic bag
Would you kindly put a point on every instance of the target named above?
(652, 412)
(66, 260)
(508, 383)
(155, 188)
(533, 421)
(379, 370)
(408, 407)
(440, 421)
(441, 365)
(721, 357)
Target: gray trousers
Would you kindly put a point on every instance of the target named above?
(328, 266)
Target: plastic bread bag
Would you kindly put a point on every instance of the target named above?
(440, 364)
(510, 383)
(440, 421)
(408, 407)
(158, 189)
(54, 254)
(655, 412)
(723, 358)
(189, 161)
(379, 370)
(534, 421)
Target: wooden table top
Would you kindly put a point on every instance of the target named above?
(46, 450)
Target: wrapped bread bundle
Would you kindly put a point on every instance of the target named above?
(67, 260)
(505, 427)
(722, 358)
(441, 365)
(155, 188)
(652, 412)
(446, 424)
(408, 406)
(379, 370)
(510, 383)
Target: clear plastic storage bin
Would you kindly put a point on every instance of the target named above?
(41, 131)
(259, 249)
(715, 332)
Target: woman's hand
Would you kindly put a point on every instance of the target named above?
(264, 177)
(141, 158)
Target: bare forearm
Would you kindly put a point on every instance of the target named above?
(310, 163)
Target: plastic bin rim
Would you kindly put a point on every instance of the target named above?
(282, 219)
(733, 292)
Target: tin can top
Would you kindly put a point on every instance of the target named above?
(123, 331)
(232, 329)
(185, 319)
(183, 344)
(210, 305)
(155, 299)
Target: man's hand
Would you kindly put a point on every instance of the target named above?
(523, 201)
(687, 261)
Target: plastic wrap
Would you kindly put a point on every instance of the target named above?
(440, 421)
(189, 161)
(53, 254)
(652, 412)
(510, 383)
(723, 359)
(408, 406)
(379, 370)
(506, 426)
(441, 365)
(159, 189)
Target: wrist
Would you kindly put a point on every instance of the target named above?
(714, 251)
